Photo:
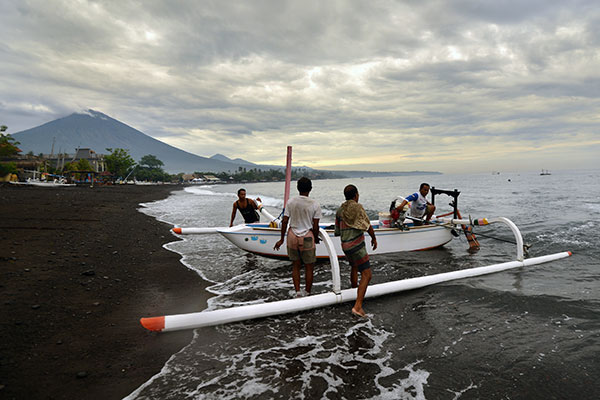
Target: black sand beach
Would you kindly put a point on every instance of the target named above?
(78, 267)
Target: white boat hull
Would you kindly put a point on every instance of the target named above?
(44, 184)
(260, 239)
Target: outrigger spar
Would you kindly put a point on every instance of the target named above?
(261, 235)
(253, 311)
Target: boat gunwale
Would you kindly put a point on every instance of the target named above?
(445, 225)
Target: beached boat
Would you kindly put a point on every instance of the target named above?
(337, 295)
(36, 182)
(260, 238)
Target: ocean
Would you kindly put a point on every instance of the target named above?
(531, 333)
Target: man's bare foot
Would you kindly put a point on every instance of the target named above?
(359, 313)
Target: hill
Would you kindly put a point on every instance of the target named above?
(98, 131)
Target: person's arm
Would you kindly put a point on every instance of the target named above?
(254, 203)
(412, 197)
(233, 214)
(315, 230)
(284, 225)
(371, 233)
(401, 206)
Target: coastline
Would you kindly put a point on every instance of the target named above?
(78, 267)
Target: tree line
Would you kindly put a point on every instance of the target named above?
(243, 174)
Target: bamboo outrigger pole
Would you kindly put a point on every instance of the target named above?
(253, 311)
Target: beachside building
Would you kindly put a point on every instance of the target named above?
(210, 179)
(96, 160)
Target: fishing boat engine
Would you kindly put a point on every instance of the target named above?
(397, 216)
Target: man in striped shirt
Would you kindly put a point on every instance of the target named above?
(351, 222)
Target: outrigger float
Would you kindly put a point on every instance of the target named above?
(260, 238)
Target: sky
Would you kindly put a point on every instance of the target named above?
(450, 86)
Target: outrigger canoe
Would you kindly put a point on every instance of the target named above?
(260, 238)
(338, 295)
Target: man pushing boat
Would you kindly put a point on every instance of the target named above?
(303, 215)
(351, 222)
(247, 208)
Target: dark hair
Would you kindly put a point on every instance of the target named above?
(350, 191)
(304, 185)
(424, 184)
(241, 190)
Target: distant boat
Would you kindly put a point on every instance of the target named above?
(37, 182)
(545, 172)
(495, 172)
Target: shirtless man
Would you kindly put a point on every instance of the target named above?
(247, 208)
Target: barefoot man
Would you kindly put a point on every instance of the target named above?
(351, 221)
(303, 215)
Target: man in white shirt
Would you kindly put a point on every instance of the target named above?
(419, 206)
(302, 214)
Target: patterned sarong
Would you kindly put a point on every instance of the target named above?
(353, 239)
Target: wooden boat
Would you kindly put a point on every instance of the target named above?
(36, 182)
(260, 238)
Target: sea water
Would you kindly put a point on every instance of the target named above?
(531, 333)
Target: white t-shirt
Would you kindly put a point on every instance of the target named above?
(418, 204)
(301, 211)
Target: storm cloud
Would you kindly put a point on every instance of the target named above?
(381, 85)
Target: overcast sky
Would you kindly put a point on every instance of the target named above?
(450, 86)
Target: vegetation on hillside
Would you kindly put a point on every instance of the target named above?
(8, 149)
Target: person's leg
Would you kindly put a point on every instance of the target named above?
(309, 277)
(293, 251)
(430, 211)
(354, 277)
(309, 257)
(365, 278)
(296, 274)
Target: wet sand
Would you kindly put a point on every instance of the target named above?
(78, 267)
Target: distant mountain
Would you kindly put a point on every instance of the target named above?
(221, 157)
(97, 131)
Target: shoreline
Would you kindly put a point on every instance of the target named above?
(79, 267)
